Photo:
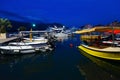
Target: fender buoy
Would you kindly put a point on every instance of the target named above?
(71, 45)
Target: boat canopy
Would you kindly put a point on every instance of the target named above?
(97, 29)
(115, 31)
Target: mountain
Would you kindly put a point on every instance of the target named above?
(39, 26)
(26, 21)
(17, 17)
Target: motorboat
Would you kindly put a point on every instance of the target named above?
(58, 31)
(25, 48)
(27, 45)
(16, 49)
(93, 44)
(35, 36)
(36, 39)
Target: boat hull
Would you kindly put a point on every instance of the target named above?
(40, 40)
(24, 49)
(112, 55)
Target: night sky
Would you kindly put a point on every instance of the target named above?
(67, 12)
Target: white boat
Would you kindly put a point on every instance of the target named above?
(70, 31)
(29, 45)
(24, 48)
(24, 43)
(58, 32)
(37, 39)
(34, 38)
(16, 49)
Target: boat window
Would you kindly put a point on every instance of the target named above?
(117, 36)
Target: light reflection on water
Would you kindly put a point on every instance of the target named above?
(64, 63)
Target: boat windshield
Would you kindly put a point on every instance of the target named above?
(58, 31)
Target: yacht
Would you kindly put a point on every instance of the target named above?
(58, 31)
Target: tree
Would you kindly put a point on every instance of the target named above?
(4, 23)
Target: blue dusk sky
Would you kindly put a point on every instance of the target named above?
(67, 12)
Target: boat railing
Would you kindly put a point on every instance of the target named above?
(89, 37)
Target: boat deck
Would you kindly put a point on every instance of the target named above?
(104, 48)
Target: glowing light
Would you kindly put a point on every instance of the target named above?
(33, 25)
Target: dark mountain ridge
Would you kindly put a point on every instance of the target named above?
(28, 25)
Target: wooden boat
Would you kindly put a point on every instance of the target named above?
(95, 47)
(107, 53)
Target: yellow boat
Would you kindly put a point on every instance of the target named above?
(97, 49)
(107, 65)
(95, 68)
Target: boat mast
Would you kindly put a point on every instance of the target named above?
(113, 37)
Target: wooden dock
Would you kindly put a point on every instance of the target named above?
(7, 40)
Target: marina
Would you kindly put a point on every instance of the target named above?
(64, 62)
(60, 54)
(75, 40)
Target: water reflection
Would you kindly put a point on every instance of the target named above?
(61, 39)
(29, 63)
(39, 64)
(95, 68)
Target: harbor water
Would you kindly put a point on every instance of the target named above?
(65, 62)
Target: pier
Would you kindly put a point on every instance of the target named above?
(7, 40)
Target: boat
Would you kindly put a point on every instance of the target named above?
(58, 32)
(93, 43)
(28, 46)
(107, 65)
(94, 68)
(25, 48)
(35, 36)
(36, 39)
(24, 43)
(70, 31)
(16, 49)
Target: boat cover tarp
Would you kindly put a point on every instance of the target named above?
(97, 29)
(114, 31)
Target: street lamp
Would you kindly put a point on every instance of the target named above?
(33, 25)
